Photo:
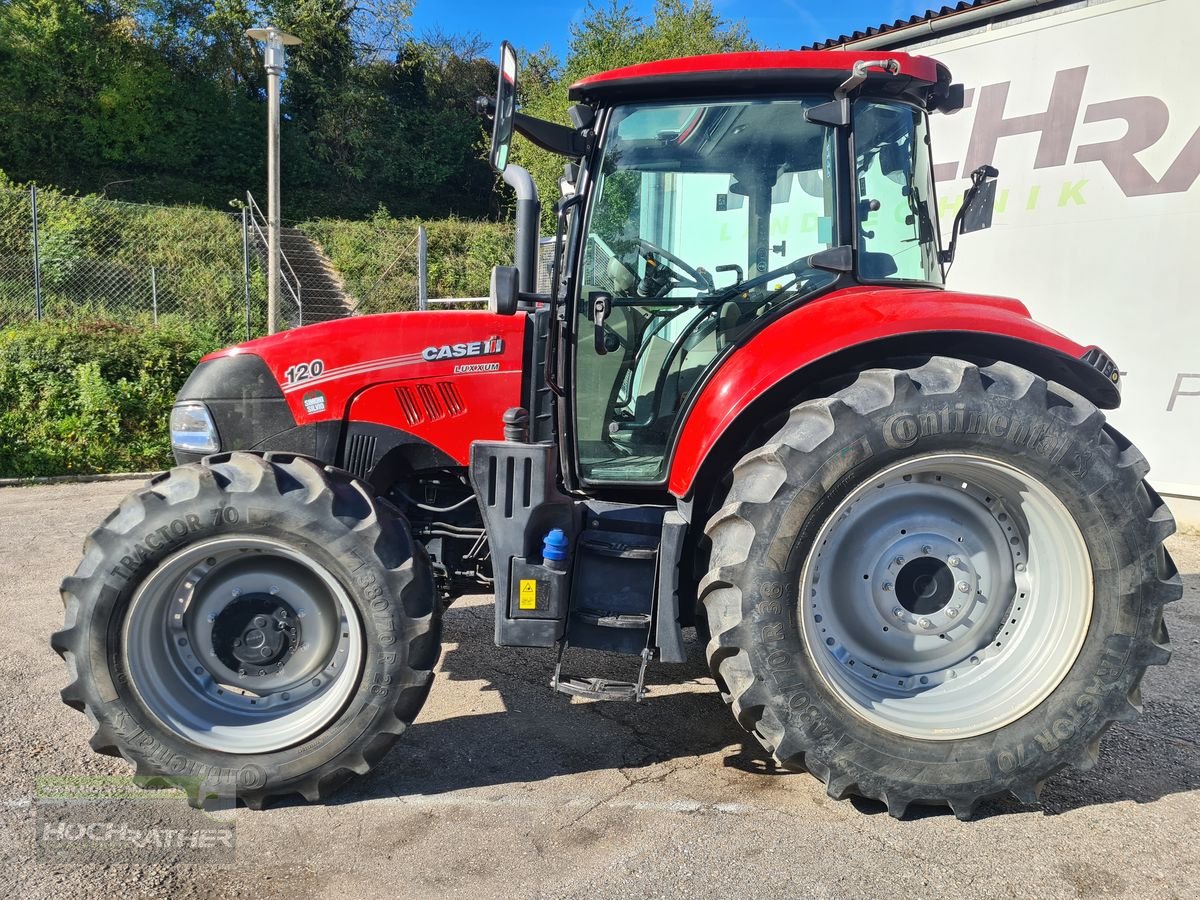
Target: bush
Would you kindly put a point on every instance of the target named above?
(82, 397)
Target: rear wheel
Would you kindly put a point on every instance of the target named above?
(250, 626)
(939, 585)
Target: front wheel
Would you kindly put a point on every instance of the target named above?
(250, 626)
(939, 585)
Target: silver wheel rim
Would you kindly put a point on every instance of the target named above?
(195, 623)
(946, 597)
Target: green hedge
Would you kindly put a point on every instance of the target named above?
(81, 397)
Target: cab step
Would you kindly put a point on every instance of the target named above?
(613, 619)
(596, 688)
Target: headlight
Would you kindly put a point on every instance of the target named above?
(192, 428)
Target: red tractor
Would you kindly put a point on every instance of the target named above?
(925, 568)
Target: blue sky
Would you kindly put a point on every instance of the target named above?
(784, 24)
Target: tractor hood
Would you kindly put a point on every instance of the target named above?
(429, 372)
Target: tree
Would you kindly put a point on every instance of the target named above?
(164, 100)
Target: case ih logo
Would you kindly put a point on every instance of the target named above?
(1146, 120)
(490, 347)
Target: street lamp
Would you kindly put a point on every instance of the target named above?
(273, 57)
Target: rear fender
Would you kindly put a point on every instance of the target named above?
(857, 329)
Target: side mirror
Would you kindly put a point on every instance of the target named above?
(979, 202)
(975, 214)
(505, 291)
(505, 106)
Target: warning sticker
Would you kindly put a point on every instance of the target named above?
(528, 598)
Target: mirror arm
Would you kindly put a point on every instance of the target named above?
(946, 257)
(551, 136)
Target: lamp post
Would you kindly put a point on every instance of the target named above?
(273, 58)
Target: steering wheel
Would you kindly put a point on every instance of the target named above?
(698, 281)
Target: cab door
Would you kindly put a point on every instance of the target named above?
(686, 201)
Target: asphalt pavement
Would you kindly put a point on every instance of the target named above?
(503, 789)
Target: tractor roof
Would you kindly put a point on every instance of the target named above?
(771, 70)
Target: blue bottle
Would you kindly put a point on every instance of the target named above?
(554, 550)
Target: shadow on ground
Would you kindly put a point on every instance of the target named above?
(541, 735)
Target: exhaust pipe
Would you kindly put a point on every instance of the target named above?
(529, 212)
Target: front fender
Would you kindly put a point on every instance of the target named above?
(862, 326)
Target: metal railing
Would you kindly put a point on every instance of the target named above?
(423, 299)
(257, 223)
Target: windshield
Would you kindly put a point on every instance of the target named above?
(701, 222)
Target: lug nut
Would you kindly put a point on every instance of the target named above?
(963, 586)
(1020, 567)
(924, 623)
(951, 612)
(887, 585)
(899, 560)
(236, 592)
(274, 590)
(926, 549)
(953, 562)
(212, 617)
(260, 621)
(897, 612)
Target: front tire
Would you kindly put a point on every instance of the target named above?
(939, 585)
(250, 626)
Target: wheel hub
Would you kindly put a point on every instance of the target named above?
(924, 585)
(255, 635)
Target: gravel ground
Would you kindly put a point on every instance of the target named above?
(502, 789)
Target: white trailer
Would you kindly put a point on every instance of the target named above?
(1090, 112)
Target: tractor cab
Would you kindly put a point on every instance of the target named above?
(707, 196)
(703, 199)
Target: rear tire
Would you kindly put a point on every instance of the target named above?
(250, 626)
(1023, 637)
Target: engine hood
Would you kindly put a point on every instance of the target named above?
(322, 369)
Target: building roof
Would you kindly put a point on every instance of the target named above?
(928, 16)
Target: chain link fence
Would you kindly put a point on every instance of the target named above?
(64, 257)
(71, 257)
